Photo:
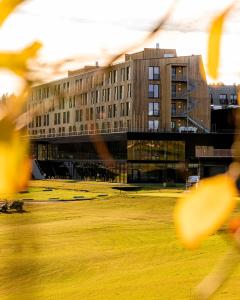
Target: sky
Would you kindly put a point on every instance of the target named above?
(87, 31)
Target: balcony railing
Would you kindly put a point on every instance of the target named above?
(109, 131)
(179, 77)
(180, 95)
(180, 114)
(213, 153)
(79, 133)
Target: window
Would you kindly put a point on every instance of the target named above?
(74, 101)
(61, 103)
(174, 109)
(211, 97)
(127, 108)
(87, 114)
(223, 99)
(64, 117)
(166, 55)
(122, 74)
(109, 111)
(98, 112)
(97, 96)
(122, 109)
(45, 120)
(77, 119)
(114, 76)
(233, 99)
(153, 91)
(129, 91)
(68, 117)
(115, 93)
(153, 125)
(173, 125)
(128, 73)
(114, 110)
(91, 113)
(108, 94)
(104, 95)
(153, 109)
(92, 97)
(153, 73)
(102, 112)
(121, 92)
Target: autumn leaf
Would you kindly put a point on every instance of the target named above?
(214, 41)
(14, 160)
(7, 7)
(203, 210)
(17, 62)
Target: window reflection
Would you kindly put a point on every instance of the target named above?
(156, 150)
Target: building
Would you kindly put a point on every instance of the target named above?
(222, 95)
(153, 90)
(146, 119)
(224, 107)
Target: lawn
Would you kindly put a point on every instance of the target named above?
(118, 246)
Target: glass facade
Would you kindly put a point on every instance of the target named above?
(156, 150)
(80, 151)
(169, 173)
(156, 161)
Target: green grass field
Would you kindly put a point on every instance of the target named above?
(119, 246)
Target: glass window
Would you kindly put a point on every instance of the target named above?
(233, 99)
(153, 109)
(156, 150)
(153, 125)
(122, 74)
(153, 73)
(128, 73)
(223, 99)
(153, 91)
(121, 92)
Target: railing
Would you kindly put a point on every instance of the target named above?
(179, 77)
(180, 95)
(110, 131)
(202, 127)
(79, 133)
(178, 113)
(213, 153)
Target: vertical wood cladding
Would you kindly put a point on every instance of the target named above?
(118, 97)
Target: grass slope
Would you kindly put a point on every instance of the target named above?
(120, 248)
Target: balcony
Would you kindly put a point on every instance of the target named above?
(183, 95)
(179, 77)
(179, 113)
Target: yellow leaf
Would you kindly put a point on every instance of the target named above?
(17, 62)
(203, 210)
(14, 163)
(215, 34)
(6, 7)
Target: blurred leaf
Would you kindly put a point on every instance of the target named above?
(215, 34)
(14, 161)
(17, 62)
(6, 7)
(203, 210)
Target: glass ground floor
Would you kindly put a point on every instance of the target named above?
(123, 171)
(134, 157)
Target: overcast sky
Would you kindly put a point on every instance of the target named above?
(75, 28)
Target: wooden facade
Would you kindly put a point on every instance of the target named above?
(153, 90)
